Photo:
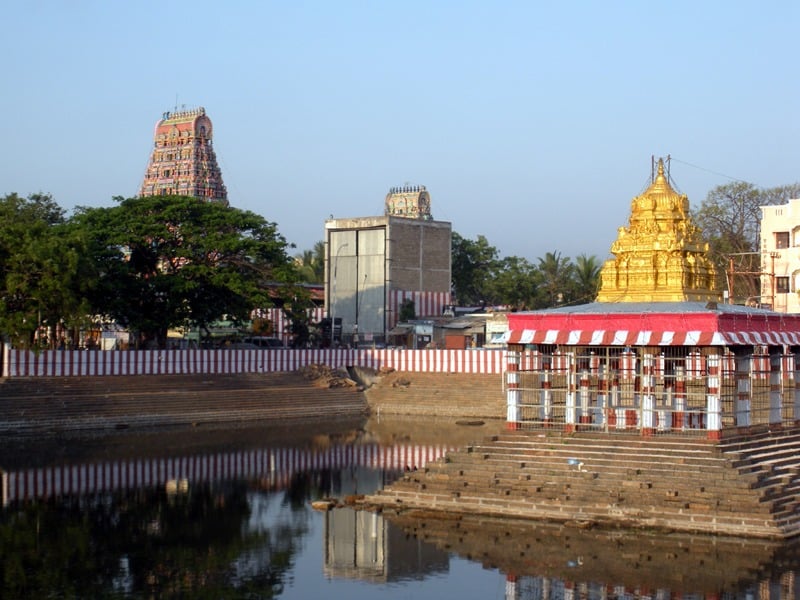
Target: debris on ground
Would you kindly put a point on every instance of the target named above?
(325, 376)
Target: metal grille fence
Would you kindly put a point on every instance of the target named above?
(684, 390)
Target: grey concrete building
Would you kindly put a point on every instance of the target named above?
(373, 264)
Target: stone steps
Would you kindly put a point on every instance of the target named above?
(665, 482)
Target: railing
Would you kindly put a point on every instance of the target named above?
(649, 393)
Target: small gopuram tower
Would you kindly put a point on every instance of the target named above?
(183, 161)
(410, 201)
(658, 352)
(660, 255)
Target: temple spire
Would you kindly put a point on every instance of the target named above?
(660, 256)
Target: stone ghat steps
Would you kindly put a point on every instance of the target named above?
(59, 404)
(676, 483)
(458, 395)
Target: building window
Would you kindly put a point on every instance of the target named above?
(781, 285)
(781, 239)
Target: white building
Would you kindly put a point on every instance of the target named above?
(780, 256)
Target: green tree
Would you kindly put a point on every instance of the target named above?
(172, 261)
(729, 218)
(311, 263)
(586, 275)
(556, 280)
(474, 266)
(515, 283)
(408, 311)
(43, 269)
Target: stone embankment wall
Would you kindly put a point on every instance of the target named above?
(114, 402)
(105, 403)
(454, 395)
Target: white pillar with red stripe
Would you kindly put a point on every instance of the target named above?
(570, 410)
(648, 397)
(796, 394)
(512, 390)
(713, 403)
(602, 397)
(584, 412)
(775, 390)
(547, 396)
(743, 415)
(788, 383)
(679, 406)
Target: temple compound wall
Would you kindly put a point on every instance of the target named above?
(711, 391)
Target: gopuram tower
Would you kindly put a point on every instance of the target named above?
(660, 256)
(183, 161)
(410, 201)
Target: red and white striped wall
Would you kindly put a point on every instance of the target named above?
(281, 325)
(276, 466)
(65, 363)
(426, 304)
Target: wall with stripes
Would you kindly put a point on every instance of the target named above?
(276, 466)
(67, 363)
(426, 304)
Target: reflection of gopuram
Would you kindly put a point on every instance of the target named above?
(656, 406)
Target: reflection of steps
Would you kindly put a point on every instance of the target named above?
(459, 395)
(106, 402)
(675, 483)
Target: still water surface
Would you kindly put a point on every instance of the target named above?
(227, 514)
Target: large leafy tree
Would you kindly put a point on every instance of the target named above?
(173, 261)
(43, 269)
(515, 283)
(729, 218)
(474, 265)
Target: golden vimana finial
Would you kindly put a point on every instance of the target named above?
(660, 256)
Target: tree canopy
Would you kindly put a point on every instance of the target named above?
(729, 218)
(170, 261)
(481, 278)
(42, 269)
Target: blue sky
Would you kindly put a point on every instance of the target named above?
(531, 123)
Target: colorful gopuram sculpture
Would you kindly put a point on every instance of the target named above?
(660, 256)
(183, 161)
(410, 201)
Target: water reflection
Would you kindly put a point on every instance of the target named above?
(550, 560)
(361, 545)
(146, 516)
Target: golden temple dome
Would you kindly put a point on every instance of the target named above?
(660, 256)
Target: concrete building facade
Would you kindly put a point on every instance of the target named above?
(374, 264)
(780, 256)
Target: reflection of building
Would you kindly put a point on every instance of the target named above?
(183, 161)
(780, 256)
(373, 264)
(360, 544)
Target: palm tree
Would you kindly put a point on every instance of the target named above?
(311, 263)
(556, 272)
(587, 278)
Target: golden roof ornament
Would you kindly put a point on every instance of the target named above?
(660, 256)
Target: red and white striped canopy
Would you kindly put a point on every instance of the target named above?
(662, 324)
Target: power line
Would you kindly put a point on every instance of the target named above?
(699, 168)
